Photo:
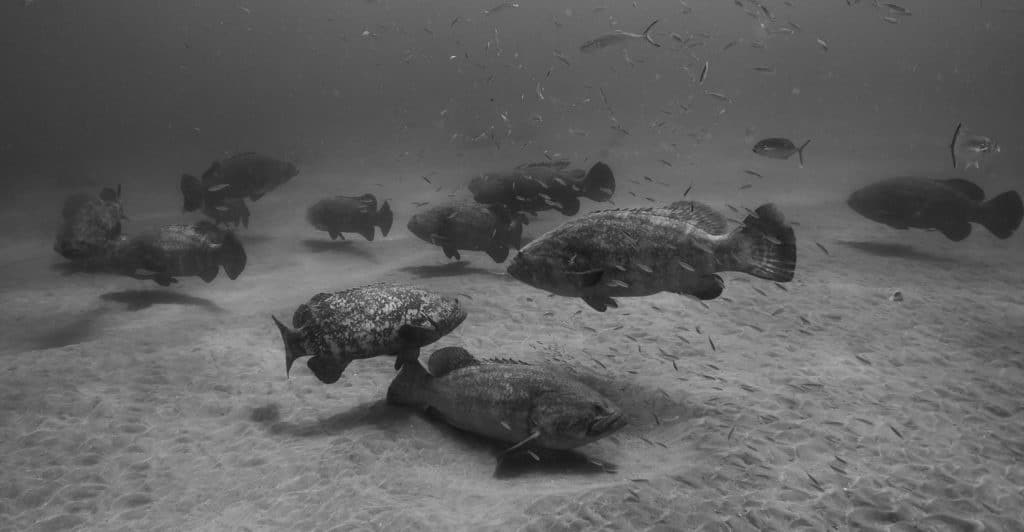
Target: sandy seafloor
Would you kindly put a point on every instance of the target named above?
(126, 406)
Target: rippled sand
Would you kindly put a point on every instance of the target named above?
(824, 406)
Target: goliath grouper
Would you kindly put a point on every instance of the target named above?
(379, 319)
(507, 401)
(537, 187)
(244, 175)
(172, 251)
(456, 225)
(90, 226)
(350, 214)
(638, 252)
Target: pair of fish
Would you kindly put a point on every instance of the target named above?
(90, 225)
(460, 225)
(508, 401)
(643, 251)
(535, 187)
(350, 214)
(333, 329)
(947, 205)
(780, 148)
(222, 188)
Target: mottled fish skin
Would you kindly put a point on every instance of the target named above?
(948, 205)
(350, 214)
(368, 321)
(180, 251)
(461, 225)
(90, 226)
(637, 252)
(509, 402)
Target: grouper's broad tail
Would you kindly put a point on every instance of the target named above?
(384, 219)
(764, 246)
(232, 256)
(599, 183)
(1002, 214)
(192, 191)
(293, 345)
(406, 387)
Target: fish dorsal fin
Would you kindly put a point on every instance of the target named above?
(702, 215)
(966, 188)
(448, 359)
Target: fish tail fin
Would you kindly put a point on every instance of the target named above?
(293, 344)
(800, 151)
(647, 33)
(232, 255)
(765, 245)
(192, 191)
(404, 389)
(599, 183)
(1002, 214)
(385, 218)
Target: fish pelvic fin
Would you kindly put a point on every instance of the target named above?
(385, 218)
(293, 344)
(232, 255)
(800, 151)
(1002, 214)
(405, 388)
(647, 34)
(764, 246)
(599, 183)
(192, 191)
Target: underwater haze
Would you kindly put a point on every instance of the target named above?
(860, 369)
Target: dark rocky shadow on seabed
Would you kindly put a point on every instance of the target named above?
(142, 299)
(894, 250)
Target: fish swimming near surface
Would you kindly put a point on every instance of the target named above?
(350, 214)
(643, 251)
(521, 404)
(244, 175)
(538, 187)
(461, 225)
(616, 38)
(89, 226)
(166, 253)
(229, 212)
(780, 148)
(333, 329)
(946, 205)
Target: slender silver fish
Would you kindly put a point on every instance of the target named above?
(616, 38)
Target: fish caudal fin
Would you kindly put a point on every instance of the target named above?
(1002, 214)
(293, 347)
(800, 151)
(765, 246)
(599, 183)
(647, 34)
(385, 218)
(192, 191)
(232, 256)
(404, 389)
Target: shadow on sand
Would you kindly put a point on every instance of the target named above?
(74, 332)
(894, 250)
(375, 413)
(450, 269)
(142, 299)
(348, 247)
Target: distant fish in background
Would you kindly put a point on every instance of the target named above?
(616, 38)
(244, 175)
(458, 225)
(90, 225)
(500, 7)
(780, 148)
(949, 206)
(350, 214)
(535, 187)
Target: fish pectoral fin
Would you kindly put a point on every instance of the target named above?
(600, 303)
(416, 335)
(327, 371)
(710, 287)
(533, 436)
(451, 252)
(405, 356)
(367, 233)
(209, 273)
(585, 278)
(956, 232)
(255, 196)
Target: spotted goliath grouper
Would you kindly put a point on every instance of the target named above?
(638, 252)
(166, 253)
(90, 226)
(243, 175)
(379, 319)
(542, 186)
(507, 401)
(460, 225)
(350, 214)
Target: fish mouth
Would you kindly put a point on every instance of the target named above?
(605, 425)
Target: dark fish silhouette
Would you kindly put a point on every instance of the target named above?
(949, 206)
(379, 319)
(350, 214)
(458, 225)
(638, 252)
(508, 401)
(780, 148)
(90, 225)
(244, 175)
(172, 251)
(229, 212)
(542, 186)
